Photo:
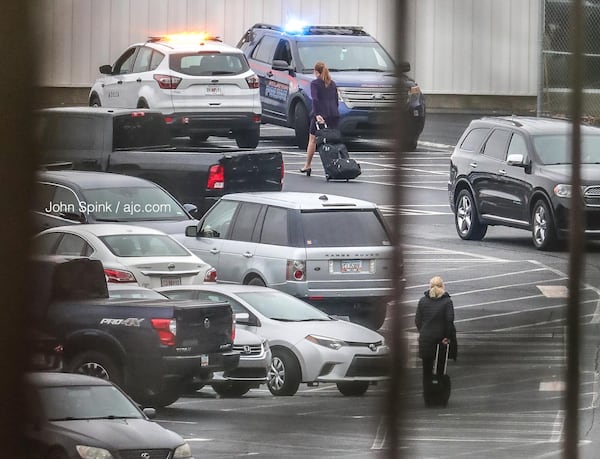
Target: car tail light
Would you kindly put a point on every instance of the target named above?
(166, 329)
(167, 81)
(256, 119)
(211, 275)
(233, 331)
(253, 82)
(117, 275)
(216, 177)
(296, 270)
(169, 119)
(137, 114)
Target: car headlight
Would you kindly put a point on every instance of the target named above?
(91, 452)
(331, 343)
(182, 451)
(563, 190)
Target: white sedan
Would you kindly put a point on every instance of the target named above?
(133, 254)
(307, 345)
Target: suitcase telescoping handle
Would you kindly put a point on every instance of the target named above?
(437, 356)
(320, 124)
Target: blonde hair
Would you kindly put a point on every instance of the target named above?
(436, 287)
(324, 72)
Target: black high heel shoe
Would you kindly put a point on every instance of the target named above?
(306, 171)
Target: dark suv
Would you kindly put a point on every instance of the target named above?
(516, 171)
(365, 74)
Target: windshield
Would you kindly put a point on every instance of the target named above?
(343, 228)
(86, 402)
(208, 63)
(144, 245)
(132, 204)
(340, 57)
(280, 306)
(555, 149)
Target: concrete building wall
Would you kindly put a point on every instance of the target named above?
(461, 51)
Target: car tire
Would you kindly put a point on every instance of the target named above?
(353, 388)
(95, 101)
(543, 229)
(257, 281)
(466, 218)
(248, 138)
(284, 374)
(231, 389)
(301, 125)
(162, 399)
(142, 104)
(95, 364)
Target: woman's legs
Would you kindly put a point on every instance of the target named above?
(310, 151)
(427, 374)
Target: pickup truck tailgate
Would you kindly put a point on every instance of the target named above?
(253, 171)
(203, 328)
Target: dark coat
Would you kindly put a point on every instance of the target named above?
(324, 102)
(435, 321)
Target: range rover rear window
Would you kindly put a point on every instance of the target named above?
(344, 228)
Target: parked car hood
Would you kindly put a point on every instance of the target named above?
(119, 434)
(590, 173)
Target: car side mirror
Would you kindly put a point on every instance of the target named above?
(515, 160)
(244, 318)
(190, 208)
(78, 217)
(105, 69)
(191, 231)
(404, 67)
(281, 65)
(150, 413)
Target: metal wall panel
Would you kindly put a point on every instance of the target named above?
(454, 46)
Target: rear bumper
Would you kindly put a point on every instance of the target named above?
(212, 123)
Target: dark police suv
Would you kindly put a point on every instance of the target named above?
(365, 74)
(516, 171)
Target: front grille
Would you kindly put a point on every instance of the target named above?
(248, 350)
(591, 196)
(145, 454)
(367, 365)
(368, 98)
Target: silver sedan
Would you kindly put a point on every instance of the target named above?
(307, 345)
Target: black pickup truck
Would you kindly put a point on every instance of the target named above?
(154, 349)
(137, 142)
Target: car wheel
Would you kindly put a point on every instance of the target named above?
(248, 138)
(164, 398)
(142, 104)
(95, 102)
(257, 281)
(284, 374)
(353, 389)
(95, 364)
(542, 227)
(466, 220)
(231, 389)
(301, 125)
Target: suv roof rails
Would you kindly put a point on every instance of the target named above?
(506, 120)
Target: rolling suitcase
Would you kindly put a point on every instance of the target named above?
(334, 155)
(437, 392)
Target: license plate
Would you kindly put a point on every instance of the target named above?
(352, 266)
(204, 360)
(213, 91)
(169, 281)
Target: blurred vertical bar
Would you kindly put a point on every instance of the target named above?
(16, 180)
(394, 408)
(541, 66)
(576, 236)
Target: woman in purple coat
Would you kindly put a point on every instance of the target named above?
(323, 92)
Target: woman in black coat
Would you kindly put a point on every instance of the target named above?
(435, 322)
